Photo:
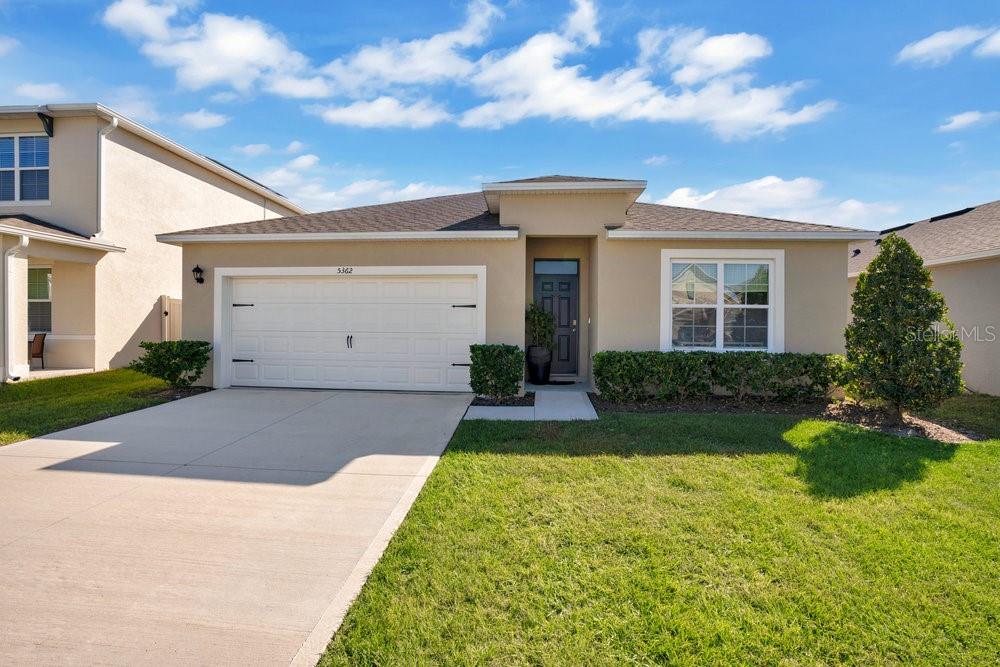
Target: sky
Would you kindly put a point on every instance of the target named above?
(864, 114)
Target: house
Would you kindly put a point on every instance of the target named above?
(82, 190)
(391, 296)
(962, 251)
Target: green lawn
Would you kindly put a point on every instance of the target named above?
(29, 409)
(689, 539)
(976, 412)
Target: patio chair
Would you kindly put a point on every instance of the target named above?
(37, 349)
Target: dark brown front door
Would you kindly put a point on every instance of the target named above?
(557, 291)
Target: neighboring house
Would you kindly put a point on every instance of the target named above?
(82, 190)
(391, 296)
(962, 251)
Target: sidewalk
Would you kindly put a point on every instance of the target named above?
(552, 403)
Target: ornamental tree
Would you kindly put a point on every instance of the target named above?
(902, 351)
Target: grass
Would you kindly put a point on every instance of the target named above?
(30, 409)
(689, 539)
(977, 412)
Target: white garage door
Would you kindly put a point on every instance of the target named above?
(354, 332)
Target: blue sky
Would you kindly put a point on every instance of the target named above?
(855, 113)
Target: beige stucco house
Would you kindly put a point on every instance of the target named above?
(962, 251)
(391, 296)
(82, 192)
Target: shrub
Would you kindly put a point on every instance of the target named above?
(540, 326)
(785, 377)
(902, 350)
(178, 362)
(496, 370)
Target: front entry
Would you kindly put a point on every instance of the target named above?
(557, 291)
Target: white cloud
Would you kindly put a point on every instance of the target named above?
(253, 150)
(224, 97)
(795, 199)
(203, 119)
(295, 146)
(695, 57)
(940, 47)
(136, 102)
(41, 92)
(7, 44)
(140, 19)
(656, 160)
(989, 46)
(300, 87)
(383, 112)
(307, 161)
(967, 119)
(419, 61)
(582, 23)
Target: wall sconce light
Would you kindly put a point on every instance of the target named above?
(199, 274)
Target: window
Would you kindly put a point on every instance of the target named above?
(729, 302)
(24, 169)
(562, 267)
(39, 300)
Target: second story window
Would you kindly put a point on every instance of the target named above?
(24, 169)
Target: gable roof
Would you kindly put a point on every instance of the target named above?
(467, 216)
(25, 225)
(969, 233)
(566, 179)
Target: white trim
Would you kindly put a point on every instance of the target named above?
(221, 297)
(17, 169)
(776, 318)
(54, 237)
(51, 336)
(564, 185)
(954, 259)
(859, 235)
(48, 300)
(505, 234)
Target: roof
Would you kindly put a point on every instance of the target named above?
(969, 233)
(466, 216)
(566, 179)
(25, 225)
(101, 111)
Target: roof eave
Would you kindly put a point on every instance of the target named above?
(953, 259)
(299, 237)
(60, 239)
(492, 191)
(824, 235)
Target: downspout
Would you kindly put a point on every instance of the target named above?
(7, 360)
(105, 131)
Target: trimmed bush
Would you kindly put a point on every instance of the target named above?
(665, 376)
(496, 370)
(178, 362)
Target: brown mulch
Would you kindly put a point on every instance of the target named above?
(526, 401)
(177, 394)
(844, 411)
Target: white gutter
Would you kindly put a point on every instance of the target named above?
(954, 259)
(748, 236)
(104, 132)
(60, 239)
(179, 238)
(8, 339)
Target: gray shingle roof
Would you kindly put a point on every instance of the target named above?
(468, 212)
(30, 224)
(972, 230)
(555, 178)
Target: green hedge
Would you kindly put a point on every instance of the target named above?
(496, 370)
(179, 362)
(669, 376)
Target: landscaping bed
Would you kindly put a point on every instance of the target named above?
(526, 401)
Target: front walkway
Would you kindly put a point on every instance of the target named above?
(233, 527)
(552, 403)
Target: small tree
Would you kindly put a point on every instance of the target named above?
(541, 326)
(902, 350)
(178, 362)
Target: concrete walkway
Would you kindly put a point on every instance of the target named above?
(234, 527)
(556, 403)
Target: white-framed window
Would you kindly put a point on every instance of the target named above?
(722, 300)
(39, 299)
(24, 168)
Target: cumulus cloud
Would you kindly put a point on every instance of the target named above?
(141, 19)
(695, 56)
(253, 150)
(967, 119)
(941, 47)
(203, 119)
(7, 44)
(383, 112)
(794, 199)
(41, 92)
(989, 47)
(295, 146)
(656, 160)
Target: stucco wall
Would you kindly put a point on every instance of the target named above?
(504, 261)
(149, 190)
(628, 283)
(563, 215)
(970, 290)
(16, 280)
(71, 343)
(72, 173)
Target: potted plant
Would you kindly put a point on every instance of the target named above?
(541, 330)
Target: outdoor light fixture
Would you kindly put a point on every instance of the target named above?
(199, 274)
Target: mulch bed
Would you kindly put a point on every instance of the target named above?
(177, 394)
(526, 401)
(842, 411)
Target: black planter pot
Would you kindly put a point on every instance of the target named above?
(539, 364)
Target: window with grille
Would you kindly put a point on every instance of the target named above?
(24, 169)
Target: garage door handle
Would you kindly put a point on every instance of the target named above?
(464, 305)
(242, 361)
(461, 364)
(242, 305)
(350, 342)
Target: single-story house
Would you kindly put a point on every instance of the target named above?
(962, 251)
(82, 190)
(391, 296)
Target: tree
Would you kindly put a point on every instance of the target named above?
(902, 351)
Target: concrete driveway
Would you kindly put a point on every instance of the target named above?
(234, 527)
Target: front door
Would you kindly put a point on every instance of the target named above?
(557, 291)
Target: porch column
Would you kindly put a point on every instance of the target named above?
(14, 302)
